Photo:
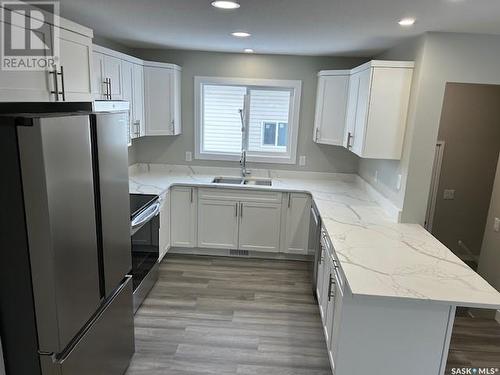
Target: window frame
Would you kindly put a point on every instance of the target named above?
(295, 87)
(277, 124)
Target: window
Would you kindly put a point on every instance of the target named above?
(274, 134)
(260, 116)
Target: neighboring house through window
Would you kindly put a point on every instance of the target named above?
(258, 115)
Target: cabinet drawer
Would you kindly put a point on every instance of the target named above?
(240, 195)
(326, 242)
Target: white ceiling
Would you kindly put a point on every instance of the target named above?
(302, 27)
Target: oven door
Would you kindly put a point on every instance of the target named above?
(145, 252)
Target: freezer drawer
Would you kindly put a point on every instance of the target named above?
(106, 348)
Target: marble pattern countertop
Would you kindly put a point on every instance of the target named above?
(379, 257)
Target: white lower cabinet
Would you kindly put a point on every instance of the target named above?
(218, 224)
(260, 226)
(298, 207)
(165, 227)
(183, 214)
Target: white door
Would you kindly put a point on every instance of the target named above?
(297, 223)
(331, 106)
(127, 93)
(113, 71)
(183, 217)
(218, 224)
(27, 86)
(159, 101)
(76, 60)
(165, 227)
(361, 112)
(138, 101)
(98, 78)
(352, 103)
(259, 226)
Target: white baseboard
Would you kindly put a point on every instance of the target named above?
(251, 254)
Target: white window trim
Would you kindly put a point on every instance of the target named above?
(293, 120)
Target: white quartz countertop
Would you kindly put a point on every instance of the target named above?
(379, 257)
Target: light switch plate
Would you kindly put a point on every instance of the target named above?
(375, 178)
(496, 225)
(189, 156)
(449, 194)
(398, 182)
(302, 160)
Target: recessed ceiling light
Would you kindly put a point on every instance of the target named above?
(407, 21)
(241, 34)
(225, 4)
(248, 50)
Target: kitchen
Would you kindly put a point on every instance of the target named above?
(276, 199)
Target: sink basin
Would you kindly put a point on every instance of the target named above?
(228, 180)
(241, 181)
(258, 182)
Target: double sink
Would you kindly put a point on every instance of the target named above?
(242, 181)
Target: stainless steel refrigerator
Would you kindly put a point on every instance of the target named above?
(65, 291)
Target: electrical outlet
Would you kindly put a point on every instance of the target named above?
(398, 182)
(496, 225)
(189, 156)
(449, 194)
(375, 177)
(302, 160)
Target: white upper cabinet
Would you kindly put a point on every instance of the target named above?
(137, 112)
(107, 75)
(73, 80)
(162, 87)
(75, 66)
(377, 107)
(127, 84)
(331, 103)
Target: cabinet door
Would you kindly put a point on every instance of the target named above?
(320, 276)
(159, 100)
(325, 288)
(218, 224)
(330, 301)
(165, 227)
(127, 93)
(98, 85)
(113, 71)
(76, 59)
(176, 103)
(26, 86)
(330, 120)
(352, 104)
(259, 226)
(297, 223)
(183, 217)
(363, 102)
(138, 101)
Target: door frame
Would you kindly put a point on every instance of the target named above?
(433, 193)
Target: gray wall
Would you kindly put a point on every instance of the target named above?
(470, 128)
(440, 58)
(489, 262)
(164, 149)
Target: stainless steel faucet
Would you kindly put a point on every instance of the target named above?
(243, 163)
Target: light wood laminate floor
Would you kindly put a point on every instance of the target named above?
(218, 315)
